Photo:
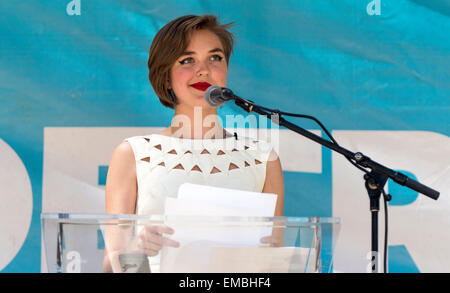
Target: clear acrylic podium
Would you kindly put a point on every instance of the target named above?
(84, 243)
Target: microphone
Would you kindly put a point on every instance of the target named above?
(216, 96)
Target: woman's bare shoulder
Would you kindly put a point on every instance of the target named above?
(124, 149)
(166, 132)
(123, 155)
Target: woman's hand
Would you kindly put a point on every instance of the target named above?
(272, 241)
(276, 239)
(151, 240)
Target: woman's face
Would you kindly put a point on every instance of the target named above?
(203, 63)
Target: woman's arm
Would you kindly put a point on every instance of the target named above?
(120, 198)
(121, 182)
(274, 182)
(121, 195)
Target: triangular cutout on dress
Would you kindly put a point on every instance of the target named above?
(232, 166)
(215, 170)
(196, 168)
(158, 146)
(205, 151)
(179, 166)
(257, 162)
(220, 152)
(173, 152)
(147, 159)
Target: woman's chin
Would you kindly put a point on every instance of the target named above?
(200, 101)
(204, 105)
(197, 100)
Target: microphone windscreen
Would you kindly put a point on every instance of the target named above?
(213, 96)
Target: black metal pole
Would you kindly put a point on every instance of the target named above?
(59, 247)
(374, 241)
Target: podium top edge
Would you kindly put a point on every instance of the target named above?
(166, 218)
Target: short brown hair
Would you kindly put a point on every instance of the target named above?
(172, 40)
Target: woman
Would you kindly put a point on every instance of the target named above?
(187, 55)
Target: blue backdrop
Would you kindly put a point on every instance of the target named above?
(353, 68)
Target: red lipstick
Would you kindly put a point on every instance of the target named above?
(201, 86)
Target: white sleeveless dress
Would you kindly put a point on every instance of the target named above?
(163, 163)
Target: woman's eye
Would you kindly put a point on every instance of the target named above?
(186, 61)
(191, 60)
(217, 57)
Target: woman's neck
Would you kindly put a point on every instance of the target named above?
(196, 123)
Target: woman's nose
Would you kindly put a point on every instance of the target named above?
(203, 68)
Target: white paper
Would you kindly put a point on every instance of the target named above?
(251, 203)
(197, 241)
(262, 260)
(187, 207)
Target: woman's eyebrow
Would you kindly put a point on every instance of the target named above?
(210, 51)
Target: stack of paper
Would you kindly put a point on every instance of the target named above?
(202, 200)
(198, 239)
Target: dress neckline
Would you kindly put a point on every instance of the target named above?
(235, 136)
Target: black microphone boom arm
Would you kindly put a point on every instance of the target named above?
(358, 157)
